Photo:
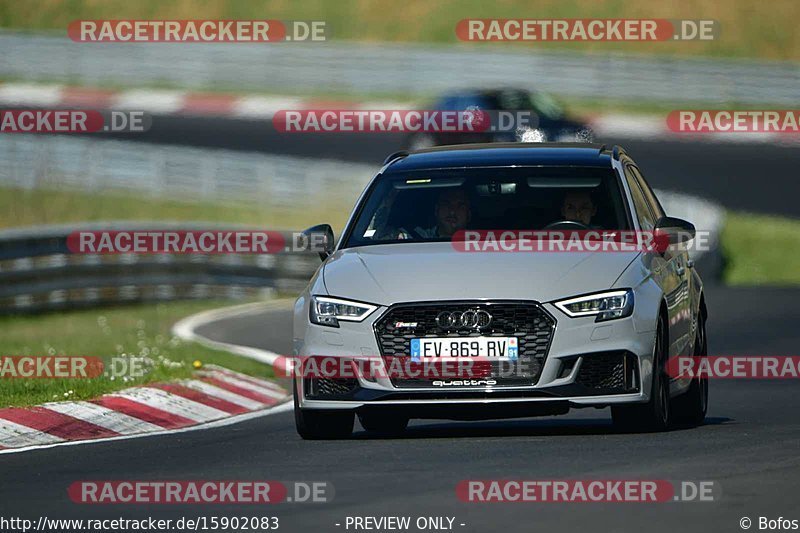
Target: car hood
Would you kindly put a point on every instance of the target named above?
(392, 273)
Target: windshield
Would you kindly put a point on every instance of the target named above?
(432, 205)
(511, 100)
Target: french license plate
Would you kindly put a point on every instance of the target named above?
(490, 348)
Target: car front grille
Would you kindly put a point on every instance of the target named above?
(612, 372)
(527, 321)
(318, 387)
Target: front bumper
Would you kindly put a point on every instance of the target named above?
(578, 347)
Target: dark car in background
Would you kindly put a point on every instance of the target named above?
(548, 122)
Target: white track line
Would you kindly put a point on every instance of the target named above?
(185, 329)
(103, 417)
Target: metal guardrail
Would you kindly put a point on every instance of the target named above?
(394, 68)
(182, 173)
(38, 272)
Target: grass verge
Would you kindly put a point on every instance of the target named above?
(748, 28)
(141, 331)
(761, 250)
(25, 207)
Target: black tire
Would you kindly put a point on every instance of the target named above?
(322, 424)
(383, 424)
(690, 407)
(655, 414)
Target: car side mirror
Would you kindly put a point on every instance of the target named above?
(676, 230)
(320, 238)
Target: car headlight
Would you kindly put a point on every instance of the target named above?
(603, 305)
(327, 311)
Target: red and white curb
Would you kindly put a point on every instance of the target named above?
(169, 102)
(216, 395)
(654, 127)
(186, 103)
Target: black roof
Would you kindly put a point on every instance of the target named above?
(503, 155)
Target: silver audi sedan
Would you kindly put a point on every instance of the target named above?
(454, 292)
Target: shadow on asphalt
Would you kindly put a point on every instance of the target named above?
(521, 428)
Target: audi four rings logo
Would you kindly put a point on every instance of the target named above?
(472, 319)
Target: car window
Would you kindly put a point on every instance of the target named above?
(547, 106)
(649, 195)
(643, 213)
(447, 103)
(462, 102)
(431, 205)
(514, 100)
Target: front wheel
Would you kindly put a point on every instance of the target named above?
(655, 414)
(322, 424)
(690, 407)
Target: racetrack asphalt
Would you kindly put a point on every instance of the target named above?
(750, 443)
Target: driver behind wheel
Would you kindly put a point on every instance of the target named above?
(578, 206)
(453, 212)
